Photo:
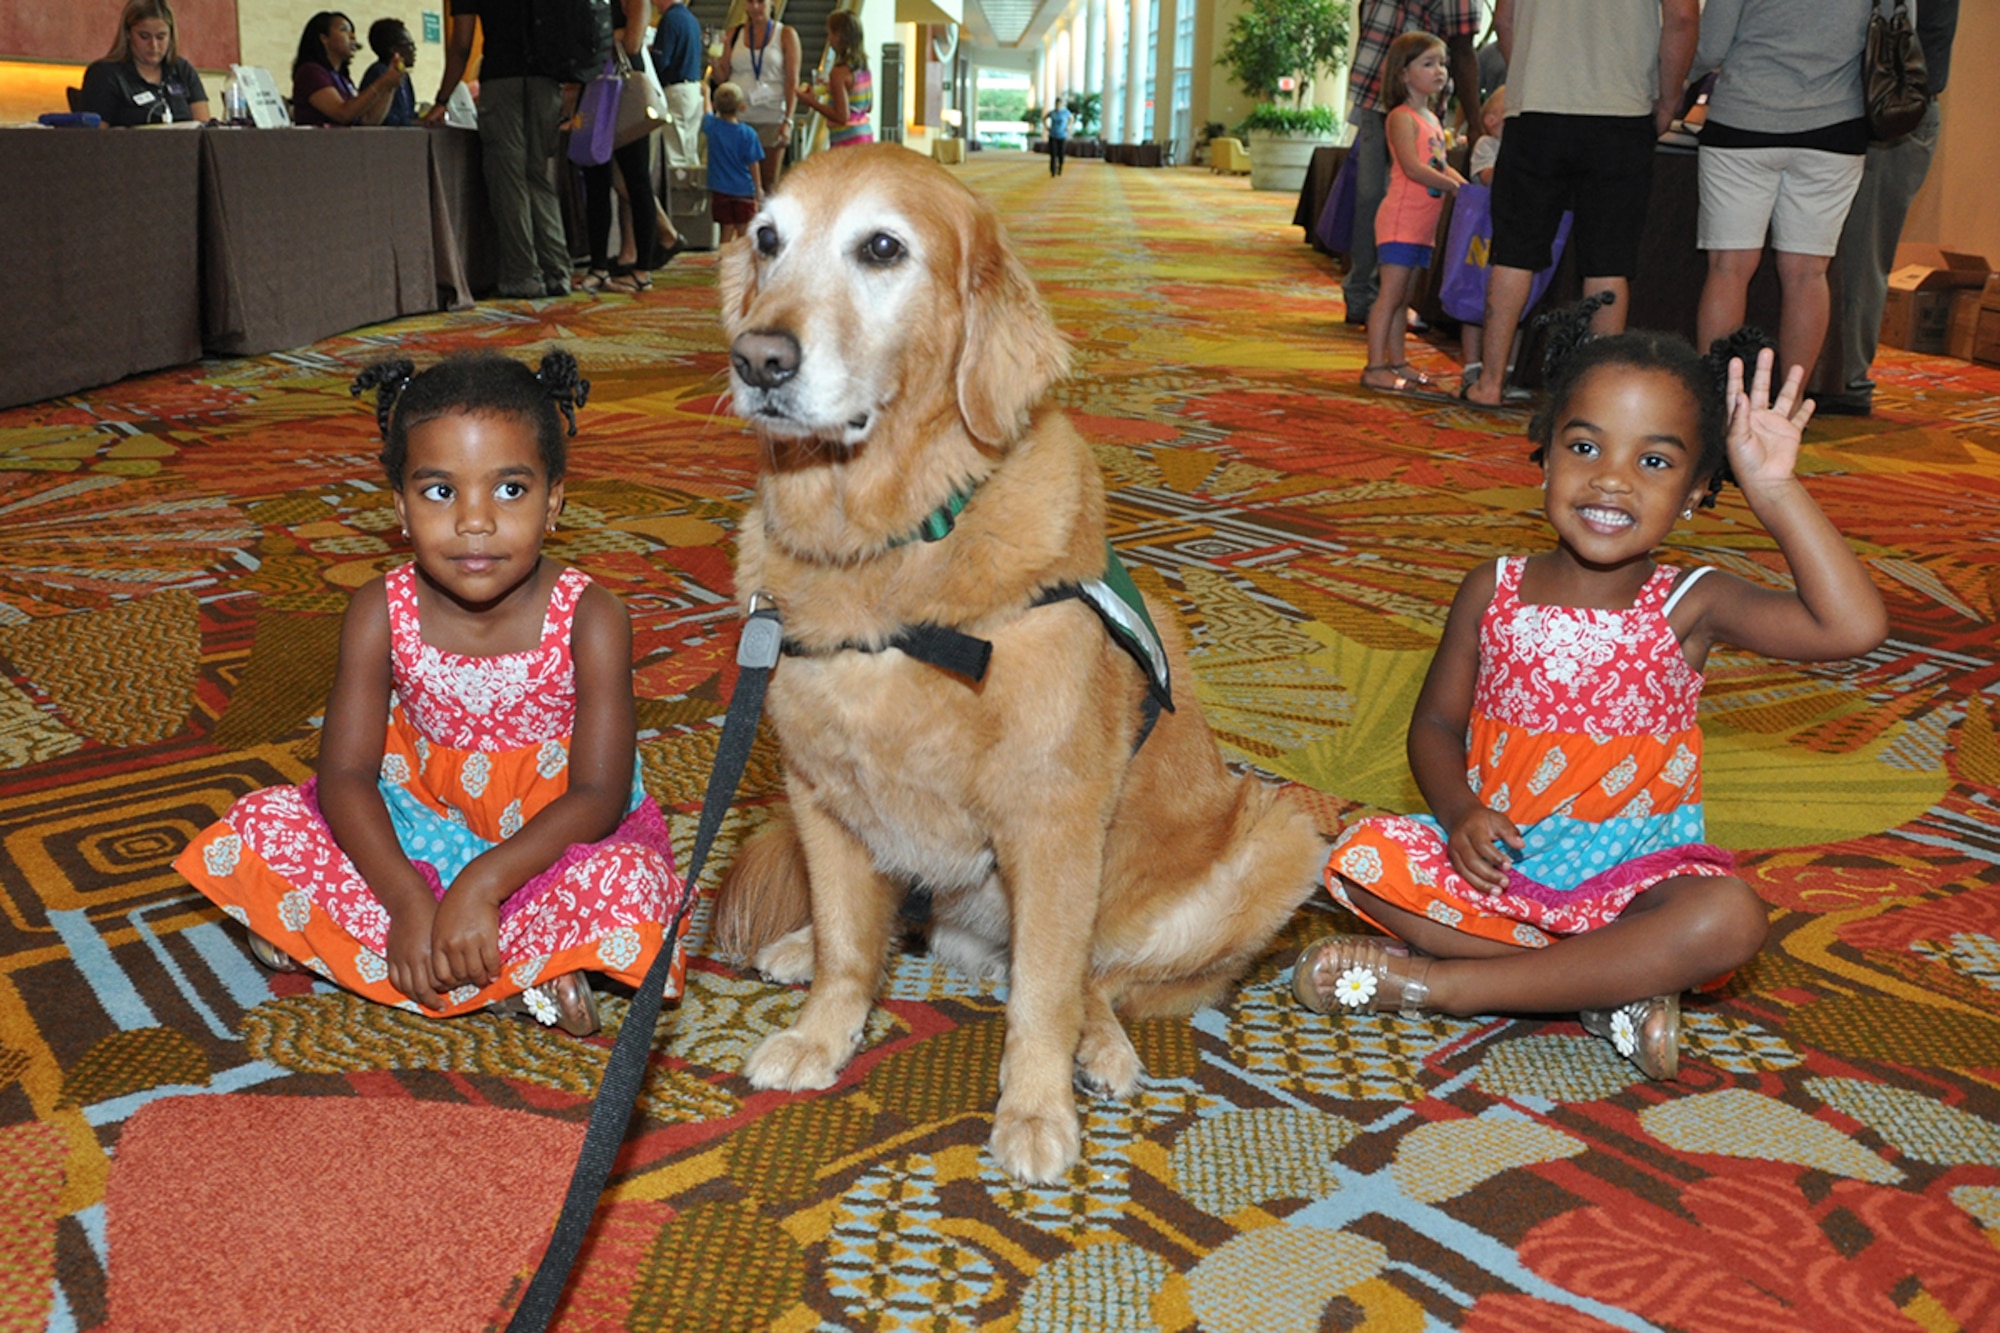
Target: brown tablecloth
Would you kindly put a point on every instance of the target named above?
(309, 233)
(468, 255)
(102, 272)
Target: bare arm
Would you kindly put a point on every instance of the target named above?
(350, 797)
(600, 786)
(1437, 743)
(458, 50)
(1465, 79)
(370, 106)
(792, 63)
(632, 37)
(834, 108)
(1835, 610)
(1503, 28)
(1407, 145)
(1680, 26)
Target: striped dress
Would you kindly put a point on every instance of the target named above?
(1583, 733)
(860, 105)
(475, 747)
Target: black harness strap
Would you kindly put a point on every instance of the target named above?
(940, 646)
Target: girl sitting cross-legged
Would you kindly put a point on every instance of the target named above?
(477, 833)
(1564, 866)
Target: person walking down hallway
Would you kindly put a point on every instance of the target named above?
(1058, 121)
(520, 112)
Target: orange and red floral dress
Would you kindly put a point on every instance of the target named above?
(1583, 733)
(476, 747)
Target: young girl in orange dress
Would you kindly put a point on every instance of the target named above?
(1414, 76)
(1564, 865)
(492, 844)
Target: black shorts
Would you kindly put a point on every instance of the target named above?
(1599, 167)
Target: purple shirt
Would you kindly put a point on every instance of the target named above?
(308, 79)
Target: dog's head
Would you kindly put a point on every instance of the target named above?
(873, 285)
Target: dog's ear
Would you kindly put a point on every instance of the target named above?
(1012, 351)
(736, 279)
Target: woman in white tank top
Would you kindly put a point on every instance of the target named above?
(762, 58)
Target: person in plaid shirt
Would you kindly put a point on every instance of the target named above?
(1382, 22)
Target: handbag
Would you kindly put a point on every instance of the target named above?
(1894, 83)
(1467, 257)
(1335, 228)
(594, 135)
(642, 102)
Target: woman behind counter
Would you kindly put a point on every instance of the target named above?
(143, 80)
(322, 92)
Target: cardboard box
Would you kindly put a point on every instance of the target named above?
(1986, 338)
(1917, 315)
(1963, 334)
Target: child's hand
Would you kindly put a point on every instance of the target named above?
(465, 940)
(409, 952)
(1475, 852)
(1764, 434)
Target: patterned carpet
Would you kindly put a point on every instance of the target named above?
(187, 1142)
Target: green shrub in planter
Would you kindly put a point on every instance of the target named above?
(1317, 122)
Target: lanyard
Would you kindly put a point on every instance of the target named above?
(757, 52)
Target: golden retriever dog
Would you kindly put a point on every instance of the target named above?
(891, 355)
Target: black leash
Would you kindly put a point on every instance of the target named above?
(618, 1092)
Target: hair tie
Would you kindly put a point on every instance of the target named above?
(388, 379)
(563, 381)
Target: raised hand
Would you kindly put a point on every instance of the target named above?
(1474, 848)
(1764, 433)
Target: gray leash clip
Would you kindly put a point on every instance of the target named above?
(763, 635)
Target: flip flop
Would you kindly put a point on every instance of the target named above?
(1510, 408)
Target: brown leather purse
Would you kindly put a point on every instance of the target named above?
(1895, 85)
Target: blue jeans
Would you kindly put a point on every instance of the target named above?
(1371, 182)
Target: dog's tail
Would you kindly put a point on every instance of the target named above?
(764, 893)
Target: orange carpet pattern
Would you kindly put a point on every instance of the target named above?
(188, 1141)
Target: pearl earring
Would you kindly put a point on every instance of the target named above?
(1688, 512)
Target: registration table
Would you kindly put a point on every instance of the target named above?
(309, 233)
(102, 277)
(133, 250)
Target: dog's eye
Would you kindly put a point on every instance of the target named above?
(767, 239)
(882, 248)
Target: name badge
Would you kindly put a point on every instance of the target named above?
(143, 99)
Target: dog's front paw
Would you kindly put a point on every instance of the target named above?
(787, 960)
(1035, 1148)
(792, 1062)
(1106, 1064)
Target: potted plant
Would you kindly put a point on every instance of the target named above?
(1273, 43)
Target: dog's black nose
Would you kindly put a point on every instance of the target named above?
(765, 358)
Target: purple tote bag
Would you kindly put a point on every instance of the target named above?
(595, 137)
(1467, 256)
